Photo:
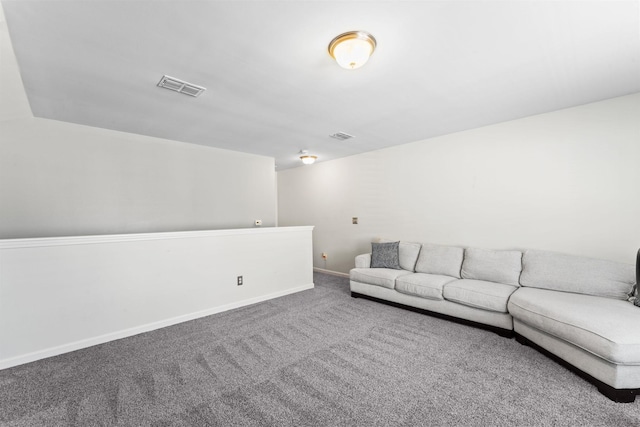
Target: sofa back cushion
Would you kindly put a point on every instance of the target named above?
(570, 273)
(442, 260)
(407, 254)
(493, 266)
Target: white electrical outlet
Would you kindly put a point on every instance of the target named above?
(258, 222)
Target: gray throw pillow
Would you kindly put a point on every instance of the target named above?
(385, 255)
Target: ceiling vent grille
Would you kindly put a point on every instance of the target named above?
(341, 136)
(180, 86)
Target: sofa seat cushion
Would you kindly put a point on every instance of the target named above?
(385, 277)
(482, 294)
(605, 327)
(421, 285)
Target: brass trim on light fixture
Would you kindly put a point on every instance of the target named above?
(362, 35)
(308, 160)
(352, 35)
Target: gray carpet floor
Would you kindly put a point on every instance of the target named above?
(315, 358)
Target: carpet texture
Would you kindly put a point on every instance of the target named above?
(315, 358)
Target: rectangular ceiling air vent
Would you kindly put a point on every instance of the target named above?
(341, 136)
(180, 86)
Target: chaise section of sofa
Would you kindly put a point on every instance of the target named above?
(576, 309)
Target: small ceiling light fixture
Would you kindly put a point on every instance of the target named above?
(352, 49)
(306, 158)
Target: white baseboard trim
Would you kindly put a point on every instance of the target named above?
(89, 342)
(331, 272)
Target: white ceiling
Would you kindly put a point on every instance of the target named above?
(272, 88)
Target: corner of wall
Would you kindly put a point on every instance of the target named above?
(13, 98)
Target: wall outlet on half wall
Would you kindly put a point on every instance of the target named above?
(240, 280)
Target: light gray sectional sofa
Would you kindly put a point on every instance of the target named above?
(571, 308)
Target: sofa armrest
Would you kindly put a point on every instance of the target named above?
(363, 261)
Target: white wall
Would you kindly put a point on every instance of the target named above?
(62, 294)
(567, 181)
(63, 179)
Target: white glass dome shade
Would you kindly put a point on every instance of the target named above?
(352, 50)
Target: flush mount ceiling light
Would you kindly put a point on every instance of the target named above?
(306, 158)
(352, 49)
